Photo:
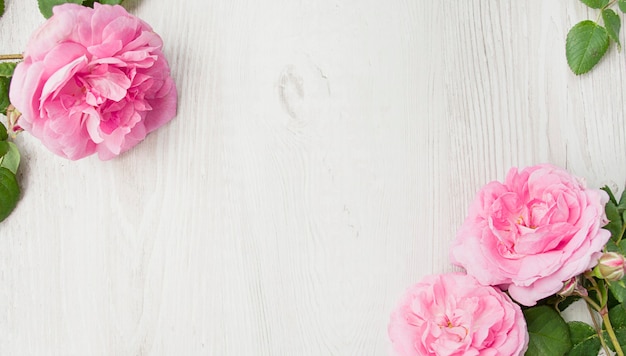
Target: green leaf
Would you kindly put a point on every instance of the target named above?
(622, 5)
(621, 207)
(595, 4)
(611, 246)
(549, 334)
(615, 220)
(585, 45)
(3, 132)
(110, 2)
(7, 68)
(45, 6)
(88, 3)
(11, 159)
(1, 7)
(4, 94)
(612, 23)
(618, 289)
(585, 340)
(610, 193)
(617, 315)
(4, 148)
(9, 192)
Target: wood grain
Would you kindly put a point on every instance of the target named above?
(322, 158)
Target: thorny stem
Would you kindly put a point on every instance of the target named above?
(9, 57)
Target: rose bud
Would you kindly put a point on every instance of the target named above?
(572, 287)
(569, 287)
(610, 267)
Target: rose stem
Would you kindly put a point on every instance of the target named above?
(597, 327)
(609, 329)
(7, 57)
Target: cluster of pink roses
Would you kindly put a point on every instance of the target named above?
(527, 236)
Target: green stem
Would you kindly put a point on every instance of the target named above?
(604, 8)
(609, 329)
(592, 303)
(609, 4)
(598, 330)
(10, 57)
(596, 288)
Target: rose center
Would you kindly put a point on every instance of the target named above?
(456, 332)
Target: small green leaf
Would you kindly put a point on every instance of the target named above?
(1, 7)
(11, 159)
(610, 193)
(618, 290)
(615, 220)
(110, 2)
(617, 315)
(549, 334)
(45, 6)
(595, 4)
(611, 246)
(612, 24)
(3, 132)
(4, 148)
(621, 247)
(9, 192)
(585, 340)
(585, 45)
(622, 5)
(4, 94)
(621, 207)
(7, 68)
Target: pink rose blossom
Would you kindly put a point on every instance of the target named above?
(454, 315)
(530, 234)
(93, 80)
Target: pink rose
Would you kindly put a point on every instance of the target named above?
(93, 80)
(529, 235)
(453, 315)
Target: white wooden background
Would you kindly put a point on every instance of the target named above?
(323, 156)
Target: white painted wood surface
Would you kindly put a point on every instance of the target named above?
(323, 156)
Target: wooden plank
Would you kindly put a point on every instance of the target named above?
(323, 156)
